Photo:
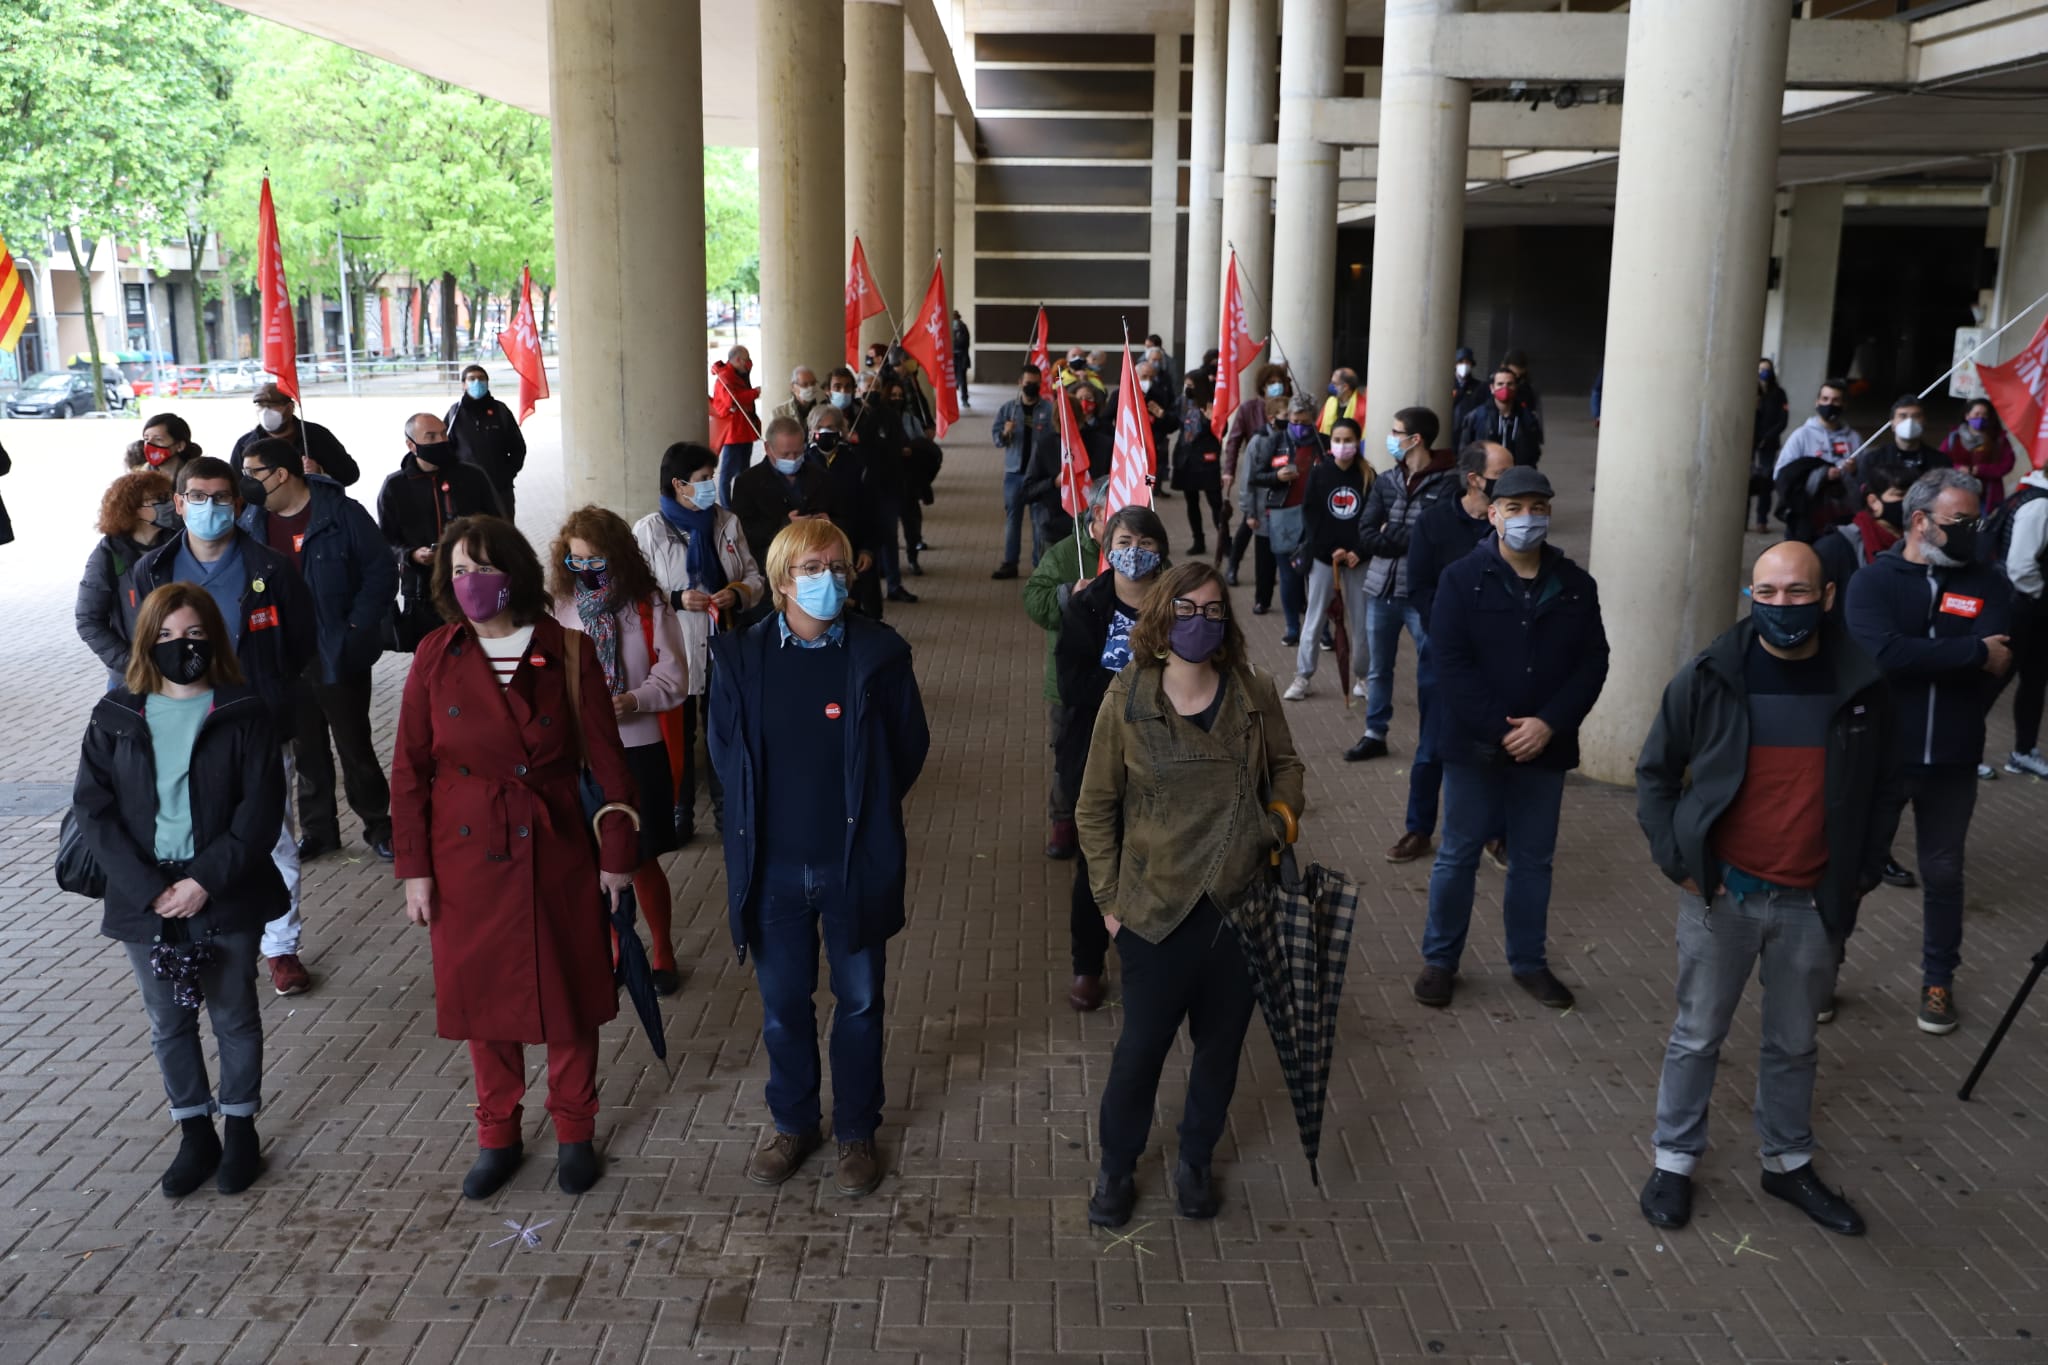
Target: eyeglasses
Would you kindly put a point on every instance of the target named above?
(1184, 610)
(1974, 523)
(838, 568)
(578, 564)
(209, 499)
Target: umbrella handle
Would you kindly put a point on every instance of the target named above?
(608, 808)
(1291, 822)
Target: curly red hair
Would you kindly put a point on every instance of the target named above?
(121, 505)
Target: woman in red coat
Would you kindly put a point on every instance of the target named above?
(496, 855)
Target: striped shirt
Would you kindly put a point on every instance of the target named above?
(506, 652)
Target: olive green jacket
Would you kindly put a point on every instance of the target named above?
(1168, 814)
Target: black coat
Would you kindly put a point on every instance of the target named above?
(1521, 431)
(6, 526)
(1077, 660)
(1444, 534)
(487, 435)
(237, 785)
(274, 652)
(108, 599)
(412, 509)
(763, 500)
(1697, 753)
(320, 443)
(349, 574)
(1926, 627)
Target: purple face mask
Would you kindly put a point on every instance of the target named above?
(1976, 424)
(1196, 639)
(483, 593)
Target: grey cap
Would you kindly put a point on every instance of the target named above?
(1523, 481)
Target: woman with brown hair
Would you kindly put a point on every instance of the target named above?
(136, 513)
(166, 445)
(180, 796)
(502, 708)
(602, 586)
(1189, 749)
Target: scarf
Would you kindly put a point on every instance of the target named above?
(699, 530)
(1877, 537)
(603, 629)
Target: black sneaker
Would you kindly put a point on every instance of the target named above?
(1194, 1191)
(198, 1157)
(1547, 989)
(1667, 1199)
(1004, 571)
(1114, 1198)
(318, 846)
(1937, 1010)
(901, 595)
(1802, 1189)
(1371, 746)
(1435, 987)
(1894, 875)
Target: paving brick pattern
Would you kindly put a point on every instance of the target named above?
(1480, 1165)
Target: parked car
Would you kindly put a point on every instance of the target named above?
(67, 393)
(177, 379)
(238, 376)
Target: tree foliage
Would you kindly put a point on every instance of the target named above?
(732, 220)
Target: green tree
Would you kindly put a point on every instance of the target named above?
(98, 99)
(732, 220)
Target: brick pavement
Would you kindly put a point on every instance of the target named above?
(1480, 1164)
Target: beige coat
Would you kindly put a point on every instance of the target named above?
(1168, 814)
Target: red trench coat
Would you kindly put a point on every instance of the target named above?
(484, 801)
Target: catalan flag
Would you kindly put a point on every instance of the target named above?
(14, 304)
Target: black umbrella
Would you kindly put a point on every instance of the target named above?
(632, 970)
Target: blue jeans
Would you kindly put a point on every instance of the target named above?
(1478, 802)
(793, 900)
(732, 462)
(1384, 618)
(1779, 932)
(1426, 770)
(1015, 512)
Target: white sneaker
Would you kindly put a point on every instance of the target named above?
(1296, 690)
(1358, 690)
(2029, 764)
(1987, 773)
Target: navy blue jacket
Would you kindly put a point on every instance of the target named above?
(1444, 534)
(279, 638)
(351, 575)
(1497, 658)
(1926, 627)
(887, 739)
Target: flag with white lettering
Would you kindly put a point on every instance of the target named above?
(863, 301)
(280, 331)
(1133, 462)
(1235, 351)
(2018, 390)
(521, 345)
(930, 340)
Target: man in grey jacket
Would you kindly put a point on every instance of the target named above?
(1020, 425)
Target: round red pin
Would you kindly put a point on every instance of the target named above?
(831, 710)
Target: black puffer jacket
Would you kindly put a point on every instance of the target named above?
(237, 783)
(108, 599)
(412, 509)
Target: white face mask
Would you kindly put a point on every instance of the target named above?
(270, 419)
(1144, 386)
(1464, 368)
(807, 394)
(1907, 429)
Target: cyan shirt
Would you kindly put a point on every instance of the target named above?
(173, 728)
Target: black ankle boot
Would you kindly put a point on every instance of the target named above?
(198, 1157)
(577, 1167)
(494, 1166)
(1194, 1191)
(1114, 1198)
(241, 1157)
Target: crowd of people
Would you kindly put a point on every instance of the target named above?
(548, 755)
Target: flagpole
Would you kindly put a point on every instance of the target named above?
(1272, 333)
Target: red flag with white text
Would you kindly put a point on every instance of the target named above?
(2018, 390)
(521, 344)
(280, 331)
(1076, 481)
(930, 340)
(1133, 462)
(863, 301)
(1235, 351)
(1040, 355)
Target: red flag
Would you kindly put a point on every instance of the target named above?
(1236, 351)
(2018, 389)
(280, 331)
(1076, 482)
(1040, 355)
(930, 340)
(1133, 464)
(863, 301)
(521, 344)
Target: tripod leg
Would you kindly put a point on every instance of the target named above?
(2012, 1012)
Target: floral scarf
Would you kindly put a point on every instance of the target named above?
(602, 626)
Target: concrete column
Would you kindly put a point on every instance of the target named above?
(2022, 252)
(1205, 183)
(1799, 315)
(1248, 198)
(626, 89)
(918, 188)
(960, 264)
(1163, 284)
(944, 201)
(1305, 188)
(1418, 225)
(1692, 232)
(798, 58)
(874, 154)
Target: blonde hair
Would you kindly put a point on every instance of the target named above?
(798, 539)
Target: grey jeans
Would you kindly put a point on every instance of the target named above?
(1780, 932)
(229, 985)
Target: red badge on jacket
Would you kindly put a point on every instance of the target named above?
(263, 618)
(831, 710)
(1955, 604)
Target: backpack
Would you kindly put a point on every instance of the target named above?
(1996, 538)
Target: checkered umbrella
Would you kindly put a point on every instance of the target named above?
(1296, 933)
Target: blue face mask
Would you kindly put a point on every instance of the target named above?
(702, 495)
(1134, 561)
(1393, 446)
(1525, 532)
(788, 468)
(821, 598)
(478, 388)
(1275, 389)
(841, 399)
(209, 522)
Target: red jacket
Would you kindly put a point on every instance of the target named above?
(484, 801)
(734, 422)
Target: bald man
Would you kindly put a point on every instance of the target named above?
(1769, 788)
(431, 488)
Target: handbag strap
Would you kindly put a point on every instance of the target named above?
(572, 661)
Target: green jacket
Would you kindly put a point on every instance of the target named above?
(1168, 814)
(1046, 592)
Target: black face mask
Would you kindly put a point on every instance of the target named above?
(429, 453)
(1489, 488)
(1030, 392)
(182, 661)
(1960, 541)
(252, 490)
(1829, 412)
(1893, 514)
(825, 439)
(1786, 625)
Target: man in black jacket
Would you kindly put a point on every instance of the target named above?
(430, 489)
(319, 449)
(1507, 420)
(485, 433)
(1769, 788)
(1935, 620)
(768, 496)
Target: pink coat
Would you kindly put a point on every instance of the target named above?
(657, 685)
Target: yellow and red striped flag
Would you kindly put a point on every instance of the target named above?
(14, 304)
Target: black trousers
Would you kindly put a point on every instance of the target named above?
(2029, 670)
(686, 792)
(341, 710)
(913, 526)
(1197, 974)
(1195, 497)
(1943, 798)
(1086, 932)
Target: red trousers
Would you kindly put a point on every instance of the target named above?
(501, 1084)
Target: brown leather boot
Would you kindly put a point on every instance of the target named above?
(778, 1161)
(1086, 993)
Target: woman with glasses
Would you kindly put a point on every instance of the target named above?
(495, 849)
(136, 513)
(817, 732)
(1189, 749)
(602, 586)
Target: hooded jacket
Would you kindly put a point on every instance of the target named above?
(1814, 440)
(1926, 626)
(108, 599)
(1697, 753)
(1521, 431)
(349, 574)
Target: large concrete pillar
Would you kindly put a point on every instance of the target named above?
(1418, 224)
(1799, 315)
(919, 226)
(1248, 198)
(874, 154)
(1305, 188)
(2022, 252)
(626, 88)
(1163, 281)
(1692, 233)
(1205, 182)
(798, 54)
(944, 201)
